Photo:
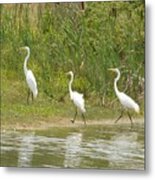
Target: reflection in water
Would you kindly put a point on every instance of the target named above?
(26, 150)
(125, 149)
(104, 147)
(73, 149)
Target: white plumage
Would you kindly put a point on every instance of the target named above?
(30, 79)
(126, 101)
(77, 98)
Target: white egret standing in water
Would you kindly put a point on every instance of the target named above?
(30, 79)
(77, 99)
(126, 101)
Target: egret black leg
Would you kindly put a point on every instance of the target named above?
(28, 95)
(130, 119)
(32, 96)
(119, 116)
(84, 119)
(74, 117)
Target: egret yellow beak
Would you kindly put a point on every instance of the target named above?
(111, 69)
(67, 73)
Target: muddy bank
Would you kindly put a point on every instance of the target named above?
(65, 122)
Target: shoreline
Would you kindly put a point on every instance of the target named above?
(66, 123)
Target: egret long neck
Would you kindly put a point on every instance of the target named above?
(70, 86)
(115, 83)
(25, 62)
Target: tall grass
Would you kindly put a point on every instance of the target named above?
(62, 37)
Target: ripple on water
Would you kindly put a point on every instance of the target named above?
(93, 147)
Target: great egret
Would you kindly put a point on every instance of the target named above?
(126, 101)
(77, 99)
(30, 79)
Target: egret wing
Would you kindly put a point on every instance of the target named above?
(31, 81)
(128, 102)
(78, 100)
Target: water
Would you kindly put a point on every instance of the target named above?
(102, 147)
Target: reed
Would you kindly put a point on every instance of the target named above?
(63, 37)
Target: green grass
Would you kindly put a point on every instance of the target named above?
(61, 38)
(15, 112)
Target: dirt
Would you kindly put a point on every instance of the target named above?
(64, 122)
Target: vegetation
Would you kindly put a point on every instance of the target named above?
(64, 37)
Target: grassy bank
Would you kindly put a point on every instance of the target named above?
(45, 112)
(63, 37)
